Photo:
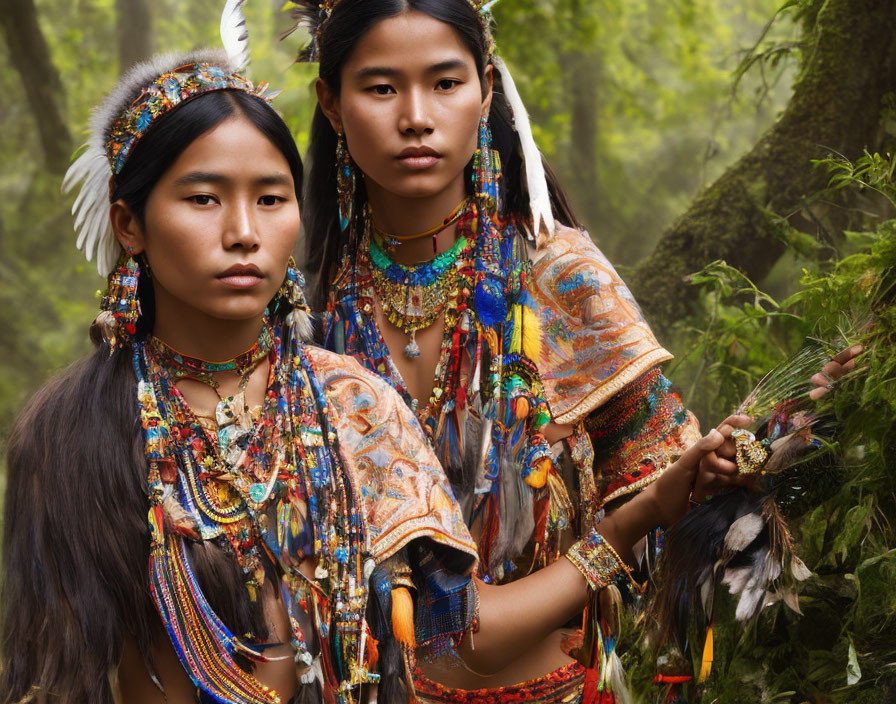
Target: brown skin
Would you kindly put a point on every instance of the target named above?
(229, 199)
(411, 82)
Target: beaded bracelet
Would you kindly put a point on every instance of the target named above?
(598, 562)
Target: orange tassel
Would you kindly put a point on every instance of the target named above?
(403, 617)
(373, 651)
(706, 663)
(538, 477)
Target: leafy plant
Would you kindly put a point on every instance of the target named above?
(843, 646)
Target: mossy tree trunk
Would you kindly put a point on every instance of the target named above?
(30, 56)
(849, 66)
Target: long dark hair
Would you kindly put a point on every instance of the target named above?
(349, 21)
(76, 538)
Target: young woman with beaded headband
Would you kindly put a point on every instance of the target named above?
(186, 530)
(528, 364)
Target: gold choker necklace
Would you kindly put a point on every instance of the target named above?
(392, 240)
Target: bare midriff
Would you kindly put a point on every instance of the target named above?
(541, 659)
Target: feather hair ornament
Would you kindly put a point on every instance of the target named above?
(96, 166)
(539, 196)
(235, 35)
(739, 538)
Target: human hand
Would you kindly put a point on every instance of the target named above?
(718, 470)
(839, 365)
(669, 494)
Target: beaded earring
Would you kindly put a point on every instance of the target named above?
(117, 321)
(486, 170)
(345, 182)
(291, 298)
(292, 291)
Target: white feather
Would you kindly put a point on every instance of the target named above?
(799, 570)
(736, 579)
(743, 532)
(539, 196)
(749, 603)
(91, 207)
(235, 35)
(302, 325)
(706, 593)
(616, 679)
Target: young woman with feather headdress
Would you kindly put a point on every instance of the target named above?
(195, 512)
(450, 263)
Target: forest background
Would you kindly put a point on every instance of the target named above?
(731, 157)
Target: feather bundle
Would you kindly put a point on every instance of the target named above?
(740, 538)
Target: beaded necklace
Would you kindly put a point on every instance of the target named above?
(251, 503)
(413, 297)
(392, 240)
(486, 374)
(181, 366)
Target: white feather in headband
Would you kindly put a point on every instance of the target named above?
(92, 168)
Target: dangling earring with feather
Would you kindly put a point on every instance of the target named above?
(117, 321)
(290, 301)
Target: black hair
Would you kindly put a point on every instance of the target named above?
(349, 21)
(76, 538)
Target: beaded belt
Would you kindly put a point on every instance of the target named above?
(563, 686)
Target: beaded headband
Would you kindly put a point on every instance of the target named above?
(165, 93)
(145, 93)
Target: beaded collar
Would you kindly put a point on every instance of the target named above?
(181, 366)
(252, 503)
(413, 297)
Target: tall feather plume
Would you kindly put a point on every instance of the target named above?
(536, 182)
(307, 14)
(235, 35)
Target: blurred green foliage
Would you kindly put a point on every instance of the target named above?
(637, 104)
(653, 119)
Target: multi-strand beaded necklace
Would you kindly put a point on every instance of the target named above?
(487, 357)
(251, 503)
(413, 297)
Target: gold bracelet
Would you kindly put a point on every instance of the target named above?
(598, 562)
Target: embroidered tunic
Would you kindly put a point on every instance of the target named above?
(598, 365)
